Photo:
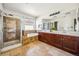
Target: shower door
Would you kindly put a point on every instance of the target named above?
(11, 30)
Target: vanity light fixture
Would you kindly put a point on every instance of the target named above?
(54, 13)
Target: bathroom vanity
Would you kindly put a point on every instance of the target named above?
(62, 31)
(66, 41)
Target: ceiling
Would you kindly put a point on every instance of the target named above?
(41, 9)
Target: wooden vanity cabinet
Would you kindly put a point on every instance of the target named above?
(41, 37)
(45, 37)
(65, 42)
(77, 45)
(52, 39)
(70, 43)
(56, 40)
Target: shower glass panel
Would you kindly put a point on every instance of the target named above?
(11, 30)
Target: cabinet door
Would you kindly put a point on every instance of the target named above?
(41, 37)
(44, 37)
(77, 45)
(52, 40)
(56, 40)
(47, 38)
(70, 43)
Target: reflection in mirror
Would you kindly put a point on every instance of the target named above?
(54, 26)
(75, 24)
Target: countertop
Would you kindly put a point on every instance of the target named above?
(63, 33)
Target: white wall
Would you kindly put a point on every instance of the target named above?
(1, 7)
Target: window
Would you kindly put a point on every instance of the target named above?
(29, 27)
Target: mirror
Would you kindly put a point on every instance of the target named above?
(54, 26)
(66, 22)
(77, 25)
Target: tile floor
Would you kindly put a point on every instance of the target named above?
(38, 48)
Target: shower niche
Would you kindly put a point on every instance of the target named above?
(11, 30)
